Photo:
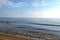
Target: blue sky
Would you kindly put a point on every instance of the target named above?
(30, 8)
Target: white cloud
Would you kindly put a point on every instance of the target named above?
(12, 4)
(35, 3)
(58, 2)
(44, 3)
(20, 4)
(0, 2)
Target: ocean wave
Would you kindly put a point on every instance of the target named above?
(45, 24)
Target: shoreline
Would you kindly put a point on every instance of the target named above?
(17, 36)
(43, 36)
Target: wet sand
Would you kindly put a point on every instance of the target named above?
(42, 37)
(6, 37)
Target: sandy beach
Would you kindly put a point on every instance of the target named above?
(6, 37)
(42, 37)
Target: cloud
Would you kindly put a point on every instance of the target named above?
(11, 4)
(44, 3)
(35, 3)
(57, 2)
(0, 2)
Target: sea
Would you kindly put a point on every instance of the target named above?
(47, 25)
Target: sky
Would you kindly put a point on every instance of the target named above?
(30, 8)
